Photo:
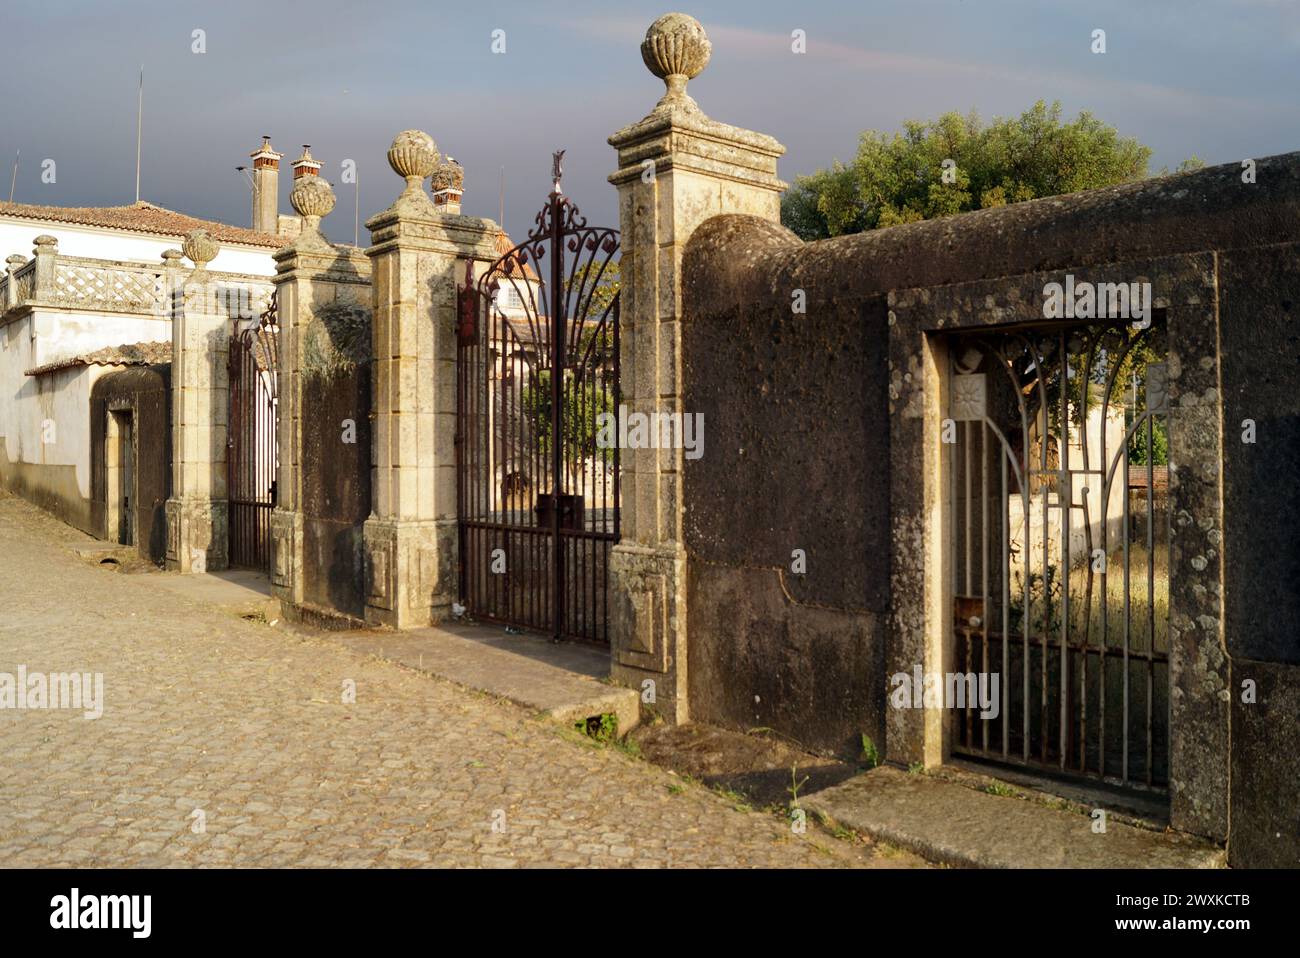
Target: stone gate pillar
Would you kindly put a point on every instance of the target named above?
(676, 169)
(417, 256)
(197, 509)
(311, 275)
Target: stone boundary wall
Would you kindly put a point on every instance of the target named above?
(827, 441)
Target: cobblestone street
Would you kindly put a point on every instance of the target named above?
(242, 727)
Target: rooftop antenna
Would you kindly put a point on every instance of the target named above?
(139, 120)
(13, 180)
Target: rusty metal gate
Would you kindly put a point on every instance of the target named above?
(251, 449)
(1060, 556)
(537, 387)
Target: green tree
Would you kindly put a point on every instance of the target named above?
(596, 284)
(1159, 445)
(957, 163)
(593, 289)
(583, 401)
(1132, 377)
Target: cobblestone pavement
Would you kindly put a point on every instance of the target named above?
(211, 718)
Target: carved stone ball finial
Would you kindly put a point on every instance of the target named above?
(312, 197)
(201, 248)
(676, 49)
(413, 156)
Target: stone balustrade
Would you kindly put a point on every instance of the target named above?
(115, 286)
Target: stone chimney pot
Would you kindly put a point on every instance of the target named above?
(306, 164)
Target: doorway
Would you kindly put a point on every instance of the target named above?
(1057, 449)
(119, 465)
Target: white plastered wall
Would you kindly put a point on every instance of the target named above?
(17, 236)
(30, 404)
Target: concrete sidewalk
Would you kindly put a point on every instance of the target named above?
(957, 825)
(560, 681)
(240, 591)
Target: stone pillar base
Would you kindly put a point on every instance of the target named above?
(647, 613)
(286, 557)
(196, 535)
(410, 571)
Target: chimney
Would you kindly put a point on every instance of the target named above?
(448, 182)
(266, 187)
(305, 165)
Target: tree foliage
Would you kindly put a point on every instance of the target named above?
(900, 177)
(593, 289)
(596, 283)
(582, 401)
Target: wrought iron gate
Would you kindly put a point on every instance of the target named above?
(1060, 546)
(251, 448)
(537, 375)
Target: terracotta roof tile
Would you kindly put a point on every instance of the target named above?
(127, 354)
(504, 245)
(1137, 477)
(141, 217)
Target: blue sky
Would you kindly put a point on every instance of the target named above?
(1215, 78)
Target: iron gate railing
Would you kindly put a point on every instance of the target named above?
(251, 450)
(1060, 546)
(538, 492)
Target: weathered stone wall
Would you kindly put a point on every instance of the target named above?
(795, 458)
(53, 488)
(1260, 366)
(1265, 797)
(323, 489)
(824, 437)
(1260, 344)
(336, 458)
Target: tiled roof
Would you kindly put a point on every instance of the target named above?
(1137, 477)
(141, 217)
(504, 245)
(127, 354)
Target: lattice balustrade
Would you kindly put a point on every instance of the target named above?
(23, 280)
(116, 289)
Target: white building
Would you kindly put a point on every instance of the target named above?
(84, 294)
